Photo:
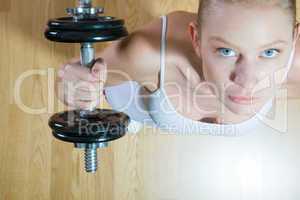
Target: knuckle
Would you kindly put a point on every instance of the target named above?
(67, 67)
(60, 73)
(100, 61)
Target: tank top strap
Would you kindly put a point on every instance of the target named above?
(163, 46)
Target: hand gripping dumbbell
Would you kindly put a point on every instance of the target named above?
(94, 128)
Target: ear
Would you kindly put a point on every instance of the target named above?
(195, 37)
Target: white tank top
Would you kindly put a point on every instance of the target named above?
(155, 109)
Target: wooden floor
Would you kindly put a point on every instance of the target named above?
(146, 166)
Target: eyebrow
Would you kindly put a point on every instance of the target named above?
(219, 39)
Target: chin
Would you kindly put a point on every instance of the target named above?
(245, 111)
(241, 110)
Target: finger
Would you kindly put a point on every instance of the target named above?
(81, 85)
(82, 94)
(88, 105)
(87, 97)
(99, 70)
(76, 71)
(80, 103)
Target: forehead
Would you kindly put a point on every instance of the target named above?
(240, 23)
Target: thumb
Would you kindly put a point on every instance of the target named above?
(99, 70)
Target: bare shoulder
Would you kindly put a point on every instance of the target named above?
(142, 47)
(180, 45)
(148, 35)
(182, 16)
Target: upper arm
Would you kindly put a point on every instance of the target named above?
(132, 58)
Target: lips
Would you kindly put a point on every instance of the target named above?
(246, 100)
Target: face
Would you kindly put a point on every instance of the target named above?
(242, 50)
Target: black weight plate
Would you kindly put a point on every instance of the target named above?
(98, 29)
(86, 36)
(90, 24)
(102, 125)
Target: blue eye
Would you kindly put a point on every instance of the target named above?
(270, 53)
(226, 52)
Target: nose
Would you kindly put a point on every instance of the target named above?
(245, 75)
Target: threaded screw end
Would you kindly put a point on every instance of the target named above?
(91, 161)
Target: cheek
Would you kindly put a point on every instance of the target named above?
(276, 69)
(216, 70)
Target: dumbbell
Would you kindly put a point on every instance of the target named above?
(92, 128)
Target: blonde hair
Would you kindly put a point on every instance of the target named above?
(206, 5)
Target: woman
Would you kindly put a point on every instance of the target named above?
(220, 64)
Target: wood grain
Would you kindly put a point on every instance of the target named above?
(5, 5)
(147, 166)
